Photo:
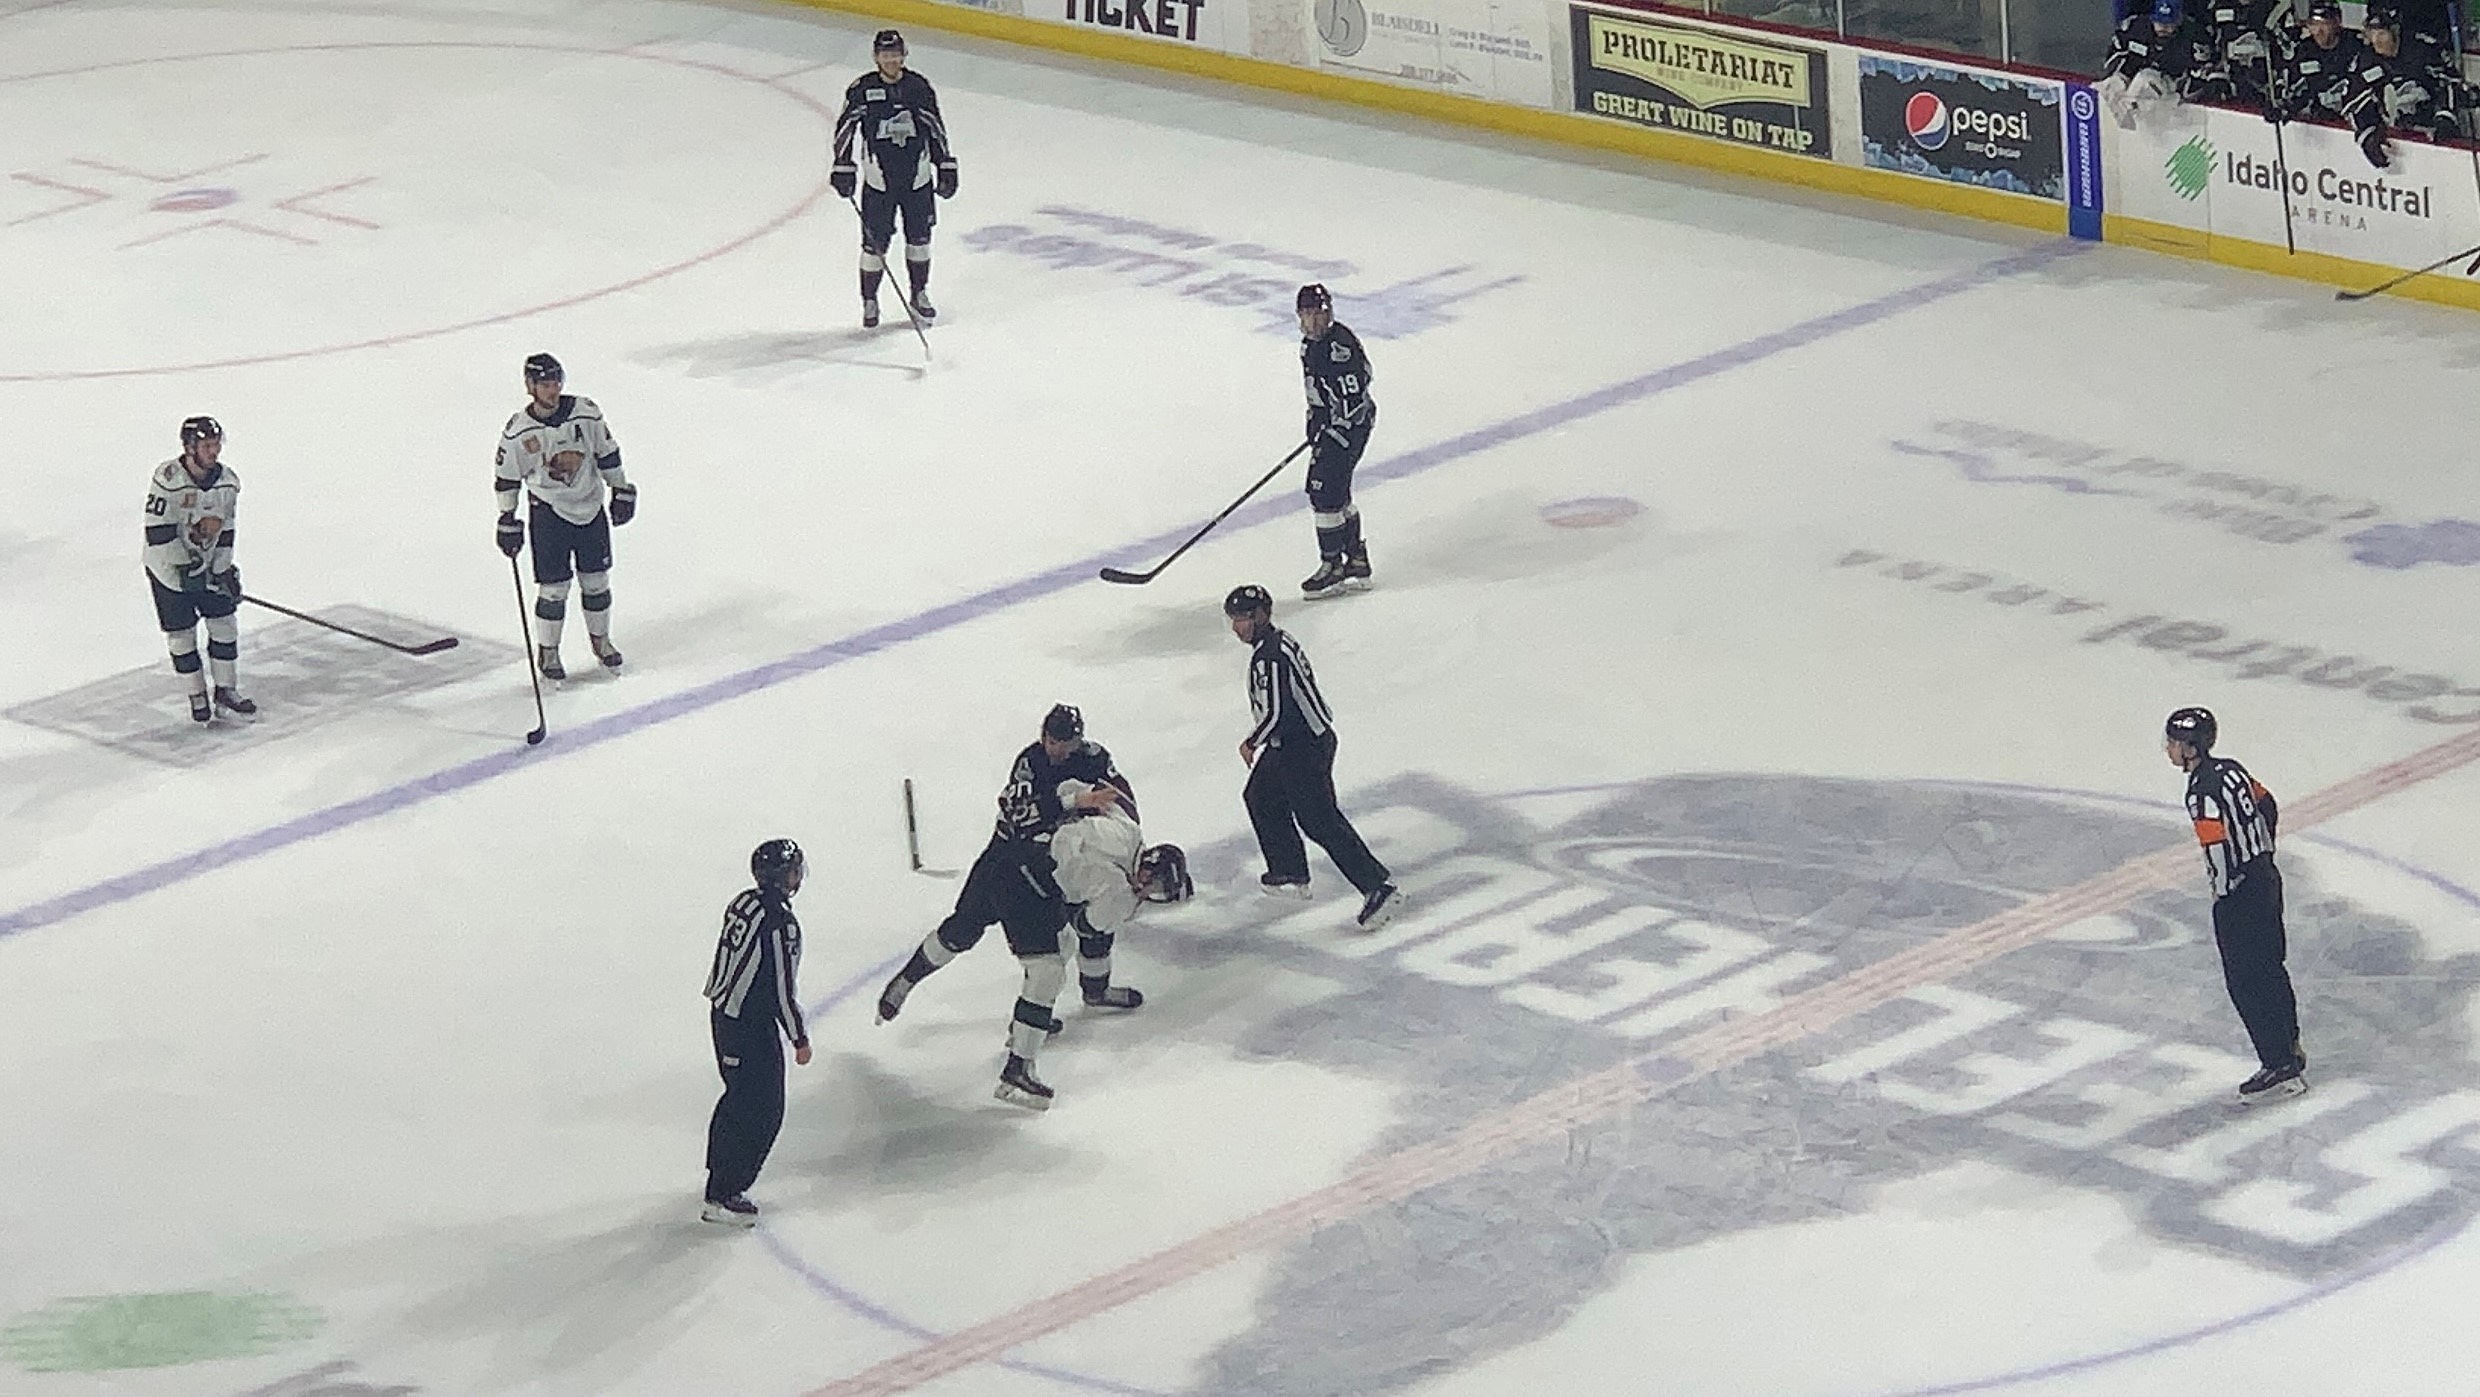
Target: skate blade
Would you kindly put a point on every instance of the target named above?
(2296, 1086)
(1298, 892)
(1379, 919)
(1026, 1099)
(725, 1217)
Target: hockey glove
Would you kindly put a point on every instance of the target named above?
(228, 581)
(2372, 145)
(511, 535)
(623, 504)
(841, 180)
(947, 180)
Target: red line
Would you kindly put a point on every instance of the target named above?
(1639, 1079)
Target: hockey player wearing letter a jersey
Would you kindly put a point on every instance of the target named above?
(891, 145)
(557, 450)
(1015, 884)
(189, 565)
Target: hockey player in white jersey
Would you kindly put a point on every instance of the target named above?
(558, 452)
(189, 565)
(1106, 873)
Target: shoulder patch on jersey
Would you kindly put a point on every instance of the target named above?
(1341, 352)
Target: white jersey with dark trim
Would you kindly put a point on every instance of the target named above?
(564, 460)
(189, 522)
(1097, 857)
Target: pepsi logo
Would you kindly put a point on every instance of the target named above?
(1924, 120)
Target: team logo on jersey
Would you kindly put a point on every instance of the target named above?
(565, 466)
(205, 531)
(1924, 120)
(2097, 1061)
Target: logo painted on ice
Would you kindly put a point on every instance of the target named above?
(2190, 168)
(2101, 1057)
(2454, 542)
(1924, 120)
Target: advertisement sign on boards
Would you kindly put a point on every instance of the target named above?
(1989, 129)
(1675, 76)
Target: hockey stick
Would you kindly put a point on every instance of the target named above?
(2474, 269)
(904, 298)
(525, 622)
(428, 647)
(1117, 575)
(912, 838)
(2282, 163)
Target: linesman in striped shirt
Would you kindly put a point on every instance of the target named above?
(756, 996)
(1290, 754)
(2235, 818)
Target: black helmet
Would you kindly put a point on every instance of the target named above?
(541, 368)
(1063, 722)
(197, 429)
(1313, 296)
(885, 41)
(777, 864)
(2384, 17)
(1162, 874)
(2193, 726)
(1248, 599)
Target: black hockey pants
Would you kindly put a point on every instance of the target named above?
(2247, 926)
(1291, 792)
(749, 1052)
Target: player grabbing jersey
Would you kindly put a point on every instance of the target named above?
(189, 565)
(557, 450)
(891, 145)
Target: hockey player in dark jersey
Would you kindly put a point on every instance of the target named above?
(1335, 370)
(2312, 79)
(1013, 884)
(2159, 54)
(2397, 88)
(2242, 36)
(891, 145)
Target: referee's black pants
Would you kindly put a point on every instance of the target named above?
(2247, 926)
(749, 1052)
(1291, 792)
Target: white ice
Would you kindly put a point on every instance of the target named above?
(441, 1074)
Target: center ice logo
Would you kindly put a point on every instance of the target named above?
(1924, 119)
(2098, 1060)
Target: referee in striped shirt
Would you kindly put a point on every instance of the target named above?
(2235, 818)
(1290, 753)
(754, 990)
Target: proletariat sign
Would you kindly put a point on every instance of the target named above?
(2222, 174)
(1724, 84)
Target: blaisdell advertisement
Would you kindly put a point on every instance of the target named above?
(1498, 50)
(2223, 174)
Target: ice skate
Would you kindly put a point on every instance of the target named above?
(735, 1211)
(547, 659)
(1332, 577)
(1356, 575)
(922, 306)
(869, 312)
(1019, 1087)
(1102, 994)
(199, 710)
(1380, 907)
(891, 999)
(230, 700)
(1281, 885)
(605, 651)
(2272, 1083)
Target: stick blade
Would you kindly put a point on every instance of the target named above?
(432, 647)
(534, 738)
(1126, 578)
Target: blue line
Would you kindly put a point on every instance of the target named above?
(170, 872)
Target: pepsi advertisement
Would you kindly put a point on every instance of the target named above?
(1959, 124)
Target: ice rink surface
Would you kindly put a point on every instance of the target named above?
(1806, 990)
